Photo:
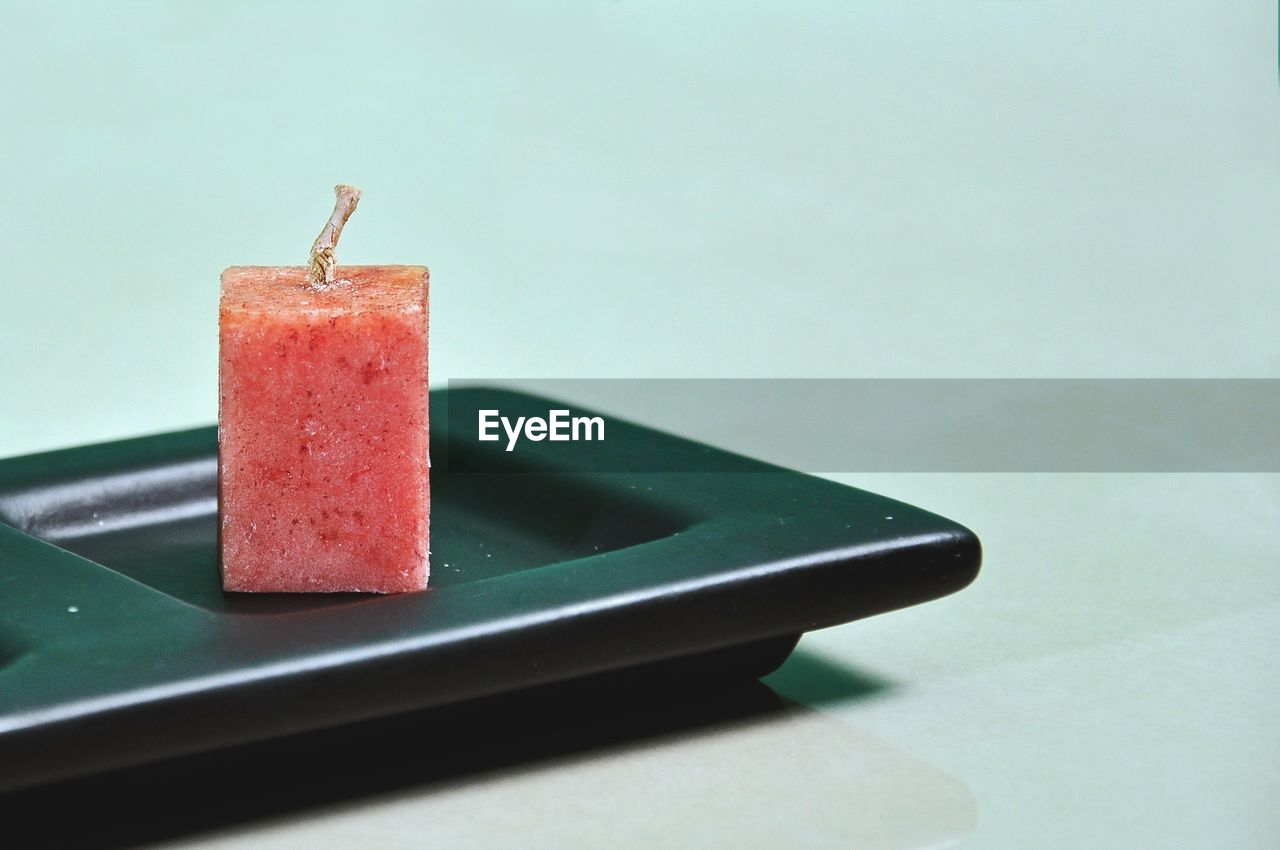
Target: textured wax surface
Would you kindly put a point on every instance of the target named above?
(323, 432)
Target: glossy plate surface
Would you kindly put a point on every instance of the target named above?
(117, 644)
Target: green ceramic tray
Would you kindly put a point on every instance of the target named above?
(117, 645)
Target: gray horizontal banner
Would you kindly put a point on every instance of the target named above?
(896, 425)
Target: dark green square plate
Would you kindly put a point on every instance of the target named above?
(118, 646)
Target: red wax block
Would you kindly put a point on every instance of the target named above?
(322, 439)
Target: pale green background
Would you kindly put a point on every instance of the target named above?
(986, 189)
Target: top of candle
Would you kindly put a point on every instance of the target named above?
(324, 251)
(279, 290)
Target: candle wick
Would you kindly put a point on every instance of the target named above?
(324, 256)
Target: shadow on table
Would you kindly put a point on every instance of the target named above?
(813, 680)
(417, 752)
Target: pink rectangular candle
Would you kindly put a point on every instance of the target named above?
(323, 434)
